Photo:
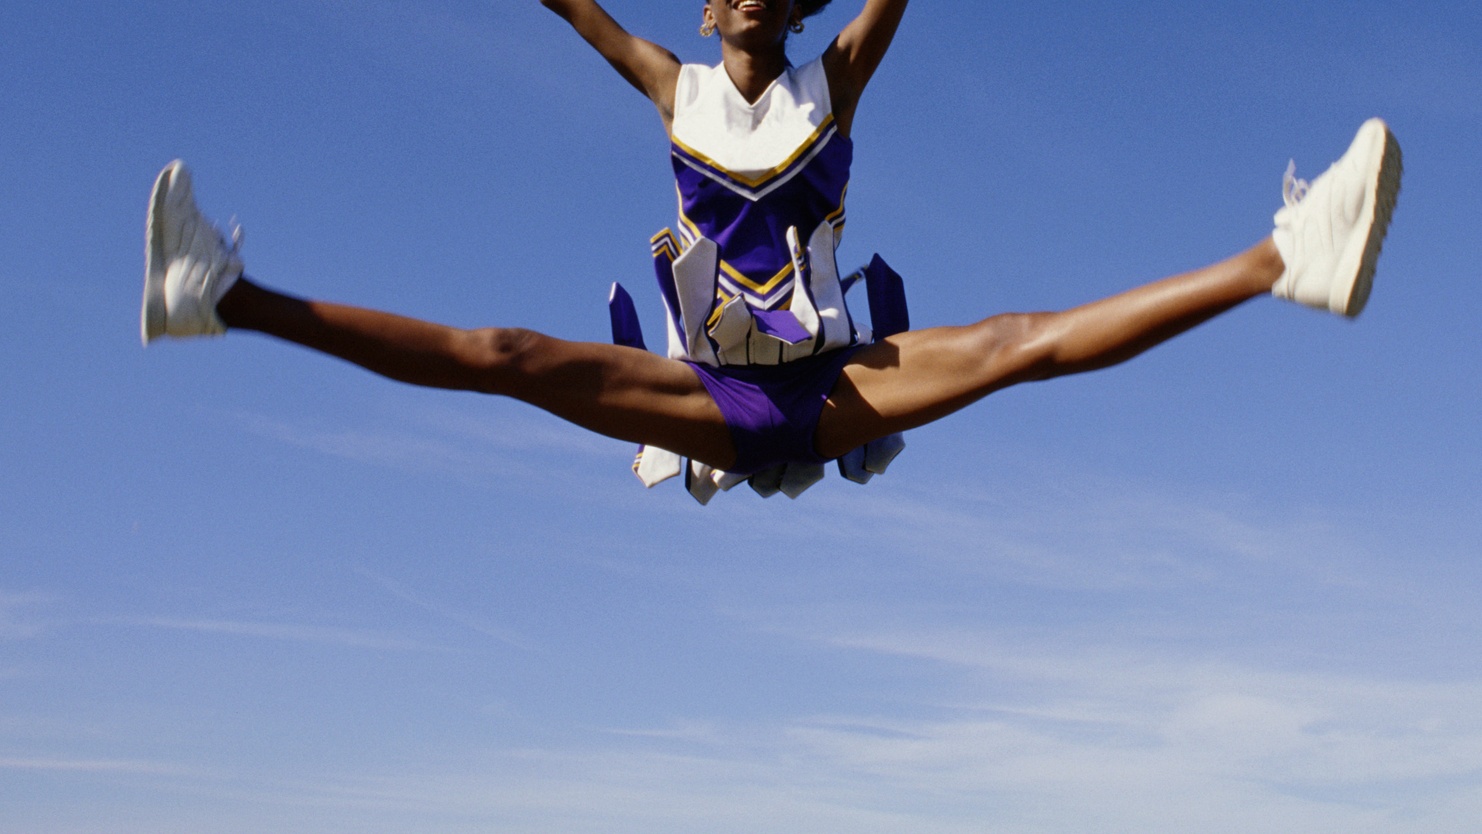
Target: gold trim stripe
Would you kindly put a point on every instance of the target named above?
(761, 288)
(754, 182)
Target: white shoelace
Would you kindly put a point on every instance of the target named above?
(237, 235)
(1292, 189)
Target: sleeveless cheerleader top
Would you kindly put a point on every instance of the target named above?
(750, 277)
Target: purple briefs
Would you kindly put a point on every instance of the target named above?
(772, 410)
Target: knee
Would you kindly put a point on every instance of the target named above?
(501, 359)
(1015, 347)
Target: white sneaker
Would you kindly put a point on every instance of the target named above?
(188, 263)
(1329, 233)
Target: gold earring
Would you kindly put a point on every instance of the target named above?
(707, 29)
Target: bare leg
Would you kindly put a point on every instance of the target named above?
(914, 378)
(616, 391)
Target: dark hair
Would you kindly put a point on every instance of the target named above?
(811, 7)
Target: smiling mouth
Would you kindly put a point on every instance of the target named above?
(751, 5)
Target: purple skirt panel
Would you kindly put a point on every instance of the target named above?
(773, 410)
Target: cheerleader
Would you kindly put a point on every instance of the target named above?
(767, 374)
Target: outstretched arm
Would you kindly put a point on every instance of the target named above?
(851, 59)
(646, 65)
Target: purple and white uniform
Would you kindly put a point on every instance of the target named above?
(750, 277)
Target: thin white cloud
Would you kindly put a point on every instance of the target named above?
(1083, 533)
(1261, 724)
(114, 766)
(451, 442)
(18, 619)
(522, 431)
(403, 451)
(1227, 750)
(293, 632)
(469, 621)
(693, 732)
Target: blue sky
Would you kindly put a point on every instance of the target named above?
(1232, 586)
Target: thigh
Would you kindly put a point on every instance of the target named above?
(625, 393)
(913, 378)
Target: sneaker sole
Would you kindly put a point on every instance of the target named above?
(152, 310)
(1360, 261)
